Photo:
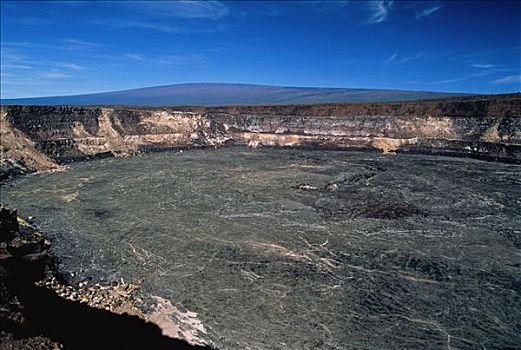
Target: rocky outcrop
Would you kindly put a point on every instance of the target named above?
(22, 248)
(18, 152)
(37, 311)
(23, 260)
(481, 126)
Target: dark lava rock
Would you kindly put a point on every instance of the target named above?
(35, 317)
(23, 250)
(8, 224)
(11, 167)
(306, 187)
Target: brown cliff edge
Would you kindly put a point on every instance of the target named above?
(42, 138)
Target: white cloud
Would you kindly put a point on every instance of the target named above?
(75, 44)
(327, 6)
(483, 65)
(185, 59)
(391, 58)
(479, 74)
(66, 44)
(394, 58)
(182, 9)
(166, 28)
(16, 66)
(450, 81)
(380, 11)
(509, 79)
(135, 56)
(68, 65)
(162, 27)
(36, 21)
(52, 75)
(427, 12)
(409, 58)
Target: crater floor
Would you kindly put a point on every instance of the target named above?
(403, 251)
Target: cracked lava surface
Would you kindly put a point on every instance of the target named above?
(389, 251)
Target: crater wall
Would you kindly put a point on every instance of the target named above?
(480, 126)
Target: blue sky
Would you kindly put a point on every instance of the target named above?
(64, 48)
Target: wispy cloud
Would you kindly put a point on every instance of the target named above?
(71, 3)
(36, 21)
(75, 44)
(483, 65)
(135, 56)
(395, 59)
(380, 11)
(391, 58)
(69, 65)
(427, 12)
(14, 63)
(182, 9)
(479, 74)
(180, 60)
(22, 65)
(509, 79)
(65, 44)
(327, 6)
(265, 10)
(33, 78)
(16, 66)
(155, 25)
(52, 75)
(24, 82)
(449, 81)
(409, 58)
(166, 28)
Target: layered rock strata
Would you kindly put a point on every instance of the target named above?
(481, 126)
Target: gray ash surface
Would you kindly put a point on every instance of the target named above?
(402, 252)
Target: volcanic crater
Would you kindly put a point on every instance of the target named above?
(288, 226)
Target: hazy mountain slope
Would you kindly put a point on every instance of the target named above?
(229, 94)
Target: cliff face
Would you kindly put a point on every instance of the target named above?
(18, 152)
(478, 126)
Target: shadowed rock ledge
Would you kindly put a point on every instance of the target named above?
(52, 315)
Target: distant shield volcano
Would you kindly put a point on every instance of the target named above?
(230, 94)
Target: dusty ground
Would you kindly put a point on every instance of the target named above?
(299, 249)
